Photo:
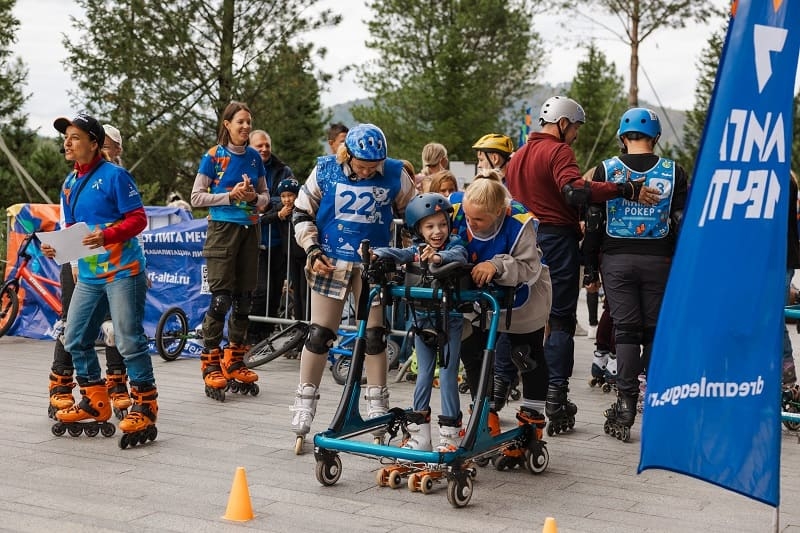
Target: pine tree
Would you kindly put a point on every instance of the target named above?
(601, 93)
(447, 71)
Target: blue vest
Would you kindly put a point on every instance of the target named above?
(501, 242)
(631, 220)
(226, 170)
(351, 211)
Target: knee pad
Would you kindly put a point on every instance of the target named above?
(376, 340)
(220, 305)
(565, 324)
(320, 339)
(242, 304)
(629, 334)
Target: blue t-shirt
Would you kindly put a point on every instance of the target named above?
(100, 199)
(226, 169)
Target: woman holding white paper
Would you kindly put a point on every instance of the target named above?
(105, 197)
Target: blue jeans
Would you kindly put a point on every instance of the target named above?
(448, 376)
(124, 299)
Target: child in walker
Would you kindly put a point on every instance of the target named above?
(428, 217)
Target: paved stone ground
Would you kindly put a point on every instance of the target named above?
(182, 481)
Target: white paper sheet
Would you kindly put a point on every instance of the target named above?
(67, 243)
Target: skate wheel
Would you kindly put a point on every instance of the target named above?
(426, 484)
(459, 491)
(298, 445)
(108, 430)
(74, 431)
(536, 461)
(254, 390)
(125, 440)
(515, 394)
(607, 427)
(329, 470)
(58, 429)
(152, 432)
(91, 431)
(550, 430)
(501, 463)
(232, 386)
(606, 387)
(625, 434)
(413, 482)
(395, 479)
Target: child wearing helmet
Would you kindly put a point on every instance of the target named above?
(494, 150)
(287, 190)
(348, 197)
(428, 217)
(501, 242)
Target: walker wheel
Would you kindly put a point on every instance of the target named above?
(426, 484)
(395, 479)
(536, 461)
(413, 482)
(329, 470)
(459, 491)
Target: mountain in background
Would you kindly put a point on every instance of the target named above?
(672, 120)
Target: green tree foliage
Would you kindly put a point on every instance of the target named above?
(162, 72)
(696, 117)
(13, 72)
(641, 18)
(601, 92)
(447, 71)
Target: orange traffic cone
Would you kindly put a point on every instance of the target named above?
(239, 507)
(550, 525)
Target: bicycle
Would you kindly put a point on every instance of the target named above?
(9, 292)
(172, 334)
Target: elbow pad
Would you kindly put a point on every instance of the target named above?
(577, 196)
(299, 216)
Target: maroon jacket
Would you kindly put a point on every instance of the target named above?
(539, 170)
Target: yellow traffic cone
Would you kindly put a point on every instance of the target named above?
(239, 507)
(550, 525)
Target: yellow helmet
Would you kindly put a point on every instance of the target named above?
(494, 142)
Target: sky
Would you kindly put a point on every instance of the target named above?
(668, 56)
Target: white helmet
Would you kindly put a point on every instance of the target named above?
(558, 107)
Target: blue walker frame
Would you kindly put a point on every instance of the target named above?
(477, 444)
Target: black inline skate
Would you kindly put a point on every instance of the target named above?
(559, 409)
(620, 416)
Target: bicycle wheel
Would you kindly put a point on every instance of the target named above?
(392, 352)
(340, 369)
(171, 333)
(9, 307)
(275, 346)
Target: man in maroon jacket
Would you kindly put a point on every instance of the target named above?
(544, 175)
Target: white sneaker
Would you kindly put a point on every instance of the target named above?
(579, 331)
(592, 332)
(419, 437)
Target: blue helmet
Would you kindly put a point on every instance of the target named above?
(288, 185)
(366, 142)
(424, 205)
(640, 120)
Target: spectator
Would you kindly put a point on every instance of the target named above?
(271, 260)
(336, 135)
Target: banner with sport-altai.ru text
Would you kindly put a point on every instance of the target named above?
(712, 406)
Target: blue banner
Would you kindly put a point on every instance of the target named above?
(177, 273)
(712, 407)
